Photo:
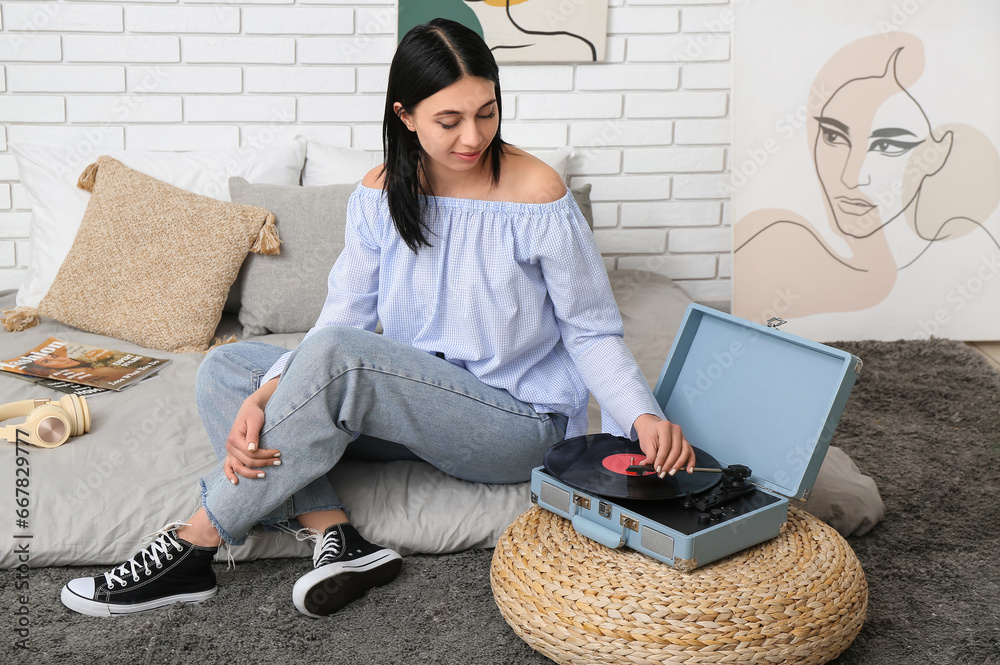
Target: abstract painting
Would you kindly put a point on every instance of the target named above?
(865, 172)
(522, 30)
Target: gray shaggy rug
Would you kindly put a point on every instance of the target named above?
(923, 420)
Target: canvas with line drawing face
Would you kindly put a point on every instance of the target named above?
(522, 30)
(865, 172)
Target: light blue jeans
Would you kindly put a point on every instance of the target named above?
(349, 391)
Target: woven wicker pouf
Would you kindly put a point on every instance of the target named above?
(798, 598)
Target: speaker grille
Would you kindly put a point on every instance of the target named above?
(657, 542)
(554, 496)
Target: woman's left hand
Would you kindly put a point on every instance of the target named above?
(664, 444)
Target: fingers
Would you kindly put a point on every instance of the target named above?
(242, 451)
(686, 458)
(227, 468)
(238, 468)
(244, 456)
(247, 460)
(650, 453)
(244, 441)
(243, 462)
(672, 450)
(665, 446)
(669, 449)
(252, 423)
(233, 469)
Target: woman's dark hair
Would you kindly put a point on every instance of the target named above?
(429, 58)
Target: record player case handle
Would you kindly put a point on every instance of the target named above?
(604, 536)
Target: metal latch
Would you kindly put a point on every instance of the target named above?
(775, 321)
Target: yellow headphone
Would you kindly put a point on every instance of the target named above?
(49, 424)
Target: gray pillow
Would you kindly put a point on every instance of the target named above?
(285, 293)
(581, 193)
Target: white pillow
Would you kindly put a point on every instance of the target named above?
(332, 165)
(558, 159)
(58, 205)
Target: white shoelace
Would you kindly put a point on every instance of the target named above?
(156, 543)
(329, 547)
(325, 545)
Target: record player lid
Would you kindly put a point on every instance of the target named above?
(753, 395)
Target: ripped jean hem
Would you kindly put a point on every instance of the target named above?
(230, 540)
(267, 523)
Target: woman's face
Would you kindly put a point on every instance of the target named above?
(456, 124)
(867, 134)
(53, 361)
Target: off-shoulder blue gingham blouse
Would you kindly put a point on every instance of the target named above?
(516, 293)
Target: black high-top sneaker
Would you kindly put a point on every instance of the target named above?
(168, 570)
(345, 567)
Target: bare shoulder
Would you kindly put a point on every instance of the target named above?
(527, 179)
(374, 178)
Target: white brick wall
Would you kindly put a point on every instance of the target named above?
(240, 50)
(8, 171)
(64, 78)
(650, 125)
(184, 78)
(49, 16)
(32, 108)
(172, 20)
(121, 48)
(298, 21)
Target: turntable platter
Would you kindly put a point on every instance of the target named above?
(596, 463)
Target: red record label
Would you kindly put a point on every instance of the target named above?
(619, 462)
(598, 463)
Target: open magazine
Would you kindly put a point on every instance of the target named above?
(61, 365)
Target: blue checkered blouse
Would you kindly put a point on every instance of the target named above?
(516, 293)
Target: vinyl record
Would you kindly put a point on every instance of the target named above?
(595, 464)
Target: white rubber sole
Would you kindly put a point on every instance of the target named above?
(96, 608)
(323, 591)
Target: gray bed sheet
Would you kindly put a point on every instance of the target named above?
(135, 471)
(91, 500)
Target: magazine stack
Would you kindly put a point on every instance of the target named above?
(80, 369)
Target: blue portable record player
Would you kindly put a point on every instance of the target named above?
(760, 407)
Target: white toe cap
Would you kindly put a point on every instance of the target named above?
(82, 586)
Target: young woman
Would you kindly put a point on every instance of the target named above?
(497, 316)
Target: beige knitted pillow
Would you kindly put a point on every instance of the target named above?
(152, 264)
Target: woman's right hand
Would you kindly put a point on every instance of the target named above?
(244, 457)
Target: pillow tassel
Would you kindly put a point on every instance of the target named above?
(267, 241)
(88, 178)
(228, 339)
(17, 319)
